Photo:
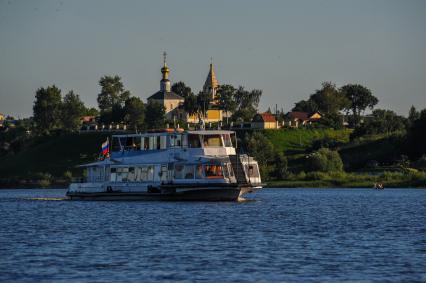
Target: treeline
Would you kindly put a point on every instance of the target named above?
(51, 111)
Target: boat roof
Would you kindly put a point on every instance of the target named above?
(210, 132)
(196, 132)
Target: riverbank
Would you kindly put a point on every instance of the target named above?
(409, 179)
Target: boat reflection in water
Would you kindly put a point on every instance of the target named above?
(171, 164)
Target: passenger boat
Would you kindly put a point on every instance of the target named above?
(171, 164)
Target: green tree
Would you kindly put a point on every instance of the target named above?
(72, 111)
(360, 98)
(416, 137)
(112, 98)
(247, 104)
(329, 99)
(281, 165)
(47, 109)
(325, 160)
(413, 115)
(134, 113)
(91, 112)
(155, 115)
(180, 88)
(226, 99)
(190, 104)
(261, 148)
(305, 106)
(381, 122)
(203, 103)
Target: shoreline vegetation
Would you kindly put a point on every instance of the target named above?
(52, 161)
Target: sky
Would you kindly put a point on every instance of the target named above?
(285, 48)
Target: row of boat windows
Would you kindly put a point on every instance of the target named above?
(178, 140)
(146, 173)
(132, 174)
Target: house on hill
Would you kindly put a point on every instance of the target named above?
(294, 119)
(264, 121)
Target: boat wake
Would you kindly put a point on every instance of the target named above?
(49, 199)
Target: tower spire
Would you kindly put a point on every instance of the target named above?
(165, 83)
(211, 84)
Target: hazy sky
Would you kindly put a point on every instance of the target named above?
(285, 48)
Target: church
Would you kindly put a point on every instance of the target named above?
(173, 102)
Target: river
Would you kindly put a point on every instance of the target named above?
(279, 235)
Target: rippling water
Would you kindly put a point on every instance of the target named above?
(282, 235)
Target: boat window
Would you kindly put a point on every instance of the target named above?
(225, 171)
(152, 143)
(150, 173)
(230, 170)
(131, 175)
(115, 144)
(213, 171)
(137, 174)
(137, 143)
(176, 140)
(163, 140)
(179, 171)
(252, 170)
(123, 141)
(189, 171)
(212, 141)
(130, 143)
(227, 140)
(194, 141)
(144, 173)
(158, 142)
(145, 145)
(199, 172)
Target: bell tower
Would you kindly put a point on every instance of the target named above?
(165, 82)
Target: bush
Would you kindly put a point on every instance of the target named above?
(68, 176)
(325, 160)
(280, 163)
(421, 163)
(44, 179)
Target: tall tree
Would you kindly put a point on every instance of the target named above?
(416, 138)
(47, 109)
(247, 104)
(360, 98)
(190, 104)
(203, 103)
(305, 106)
(226, 99)
(112, 97)
(134, 110)
(413, 115)
(180, 88)
(72, 111)
(329, 99)
(155, 115)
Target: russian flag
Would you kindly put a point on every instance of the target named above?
(105, 147)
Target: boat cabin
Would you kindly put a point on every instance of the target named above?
(199, 142)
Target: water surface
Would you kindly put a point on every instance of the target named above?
(314, 235)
